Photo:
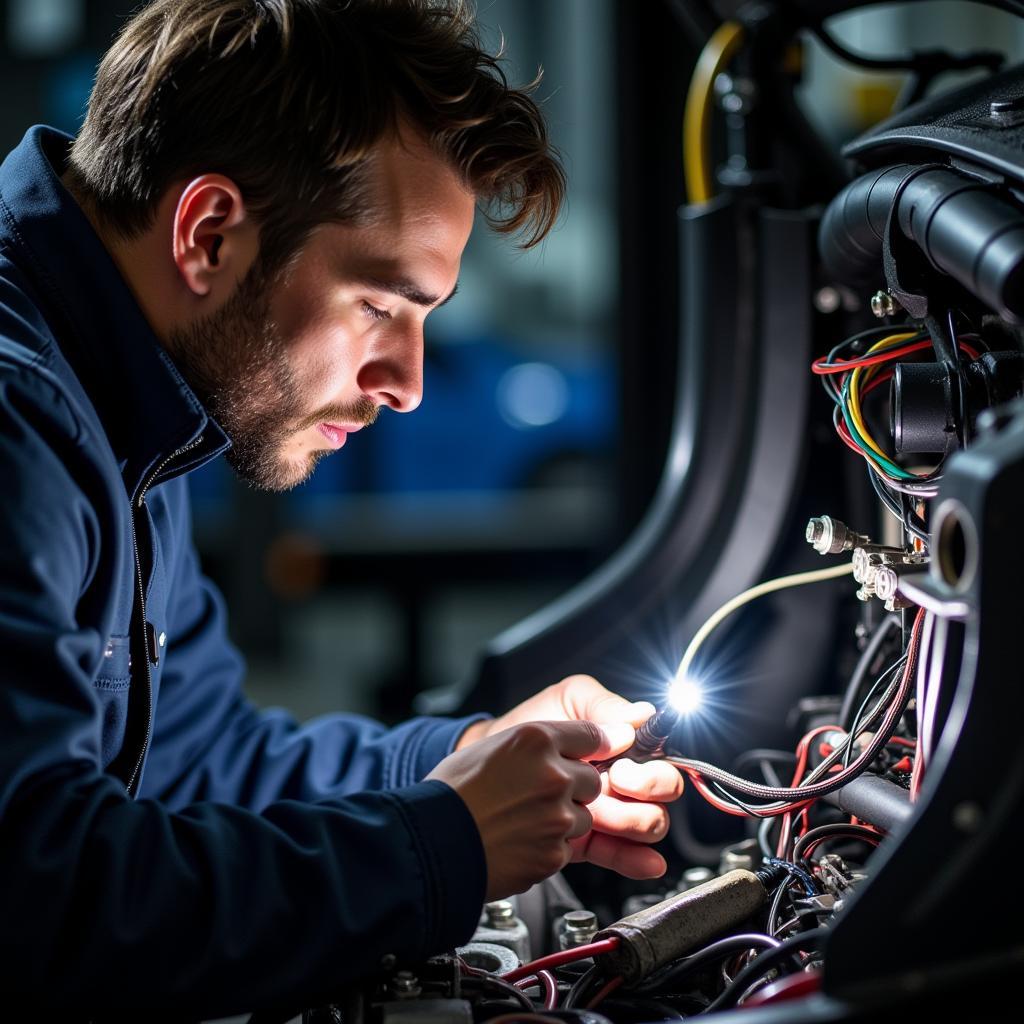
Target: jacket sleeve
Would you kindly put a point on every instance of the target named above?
(115, 906)
(210, 743)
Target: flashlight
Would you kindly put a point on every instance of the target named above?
(684, 697)
(651, 738)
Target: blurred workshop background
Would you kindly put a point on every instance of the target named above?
(549, 381)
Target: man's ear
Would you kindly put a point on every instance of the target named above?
(215, 240)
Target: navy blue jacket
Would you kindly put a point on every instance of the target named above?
(164, 845)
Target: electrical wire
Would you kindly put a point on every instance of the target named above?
(565, 956)
(810, 885)
(725, 41)
(841, 830)
(763, 963)
(606, 990)
(895, 699)
(860, 723)
(928, 63)
(768, 587)
(544, 980)
(671, 973)
(582, 987)
(863, 668)
(927, 706)
(861, 375)
(499, 986)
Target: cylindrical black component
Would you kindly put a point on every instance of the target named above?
(651, 738)
(876, 800)
(923, 397)
(853, 227)
(969, 232)
(966, 229)
(921, 408)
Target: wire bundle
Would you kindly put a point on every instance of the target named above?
(857, 378)
(724, 790)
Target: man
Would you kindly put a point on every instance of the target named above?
(237, 255)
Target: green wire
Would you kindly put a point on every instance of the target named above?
(888, 466)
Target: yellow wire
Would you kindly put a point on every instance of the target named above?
(855, 382)
(717, 53)
(768, 587)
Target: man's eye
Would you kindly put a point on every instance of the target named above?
(374, 313)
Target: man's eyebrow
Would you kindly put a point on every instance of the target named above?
(407, 289)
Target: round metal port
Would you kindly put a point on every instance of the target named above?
(956, 545)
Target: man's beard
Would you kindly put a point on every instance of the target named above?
(236, 361)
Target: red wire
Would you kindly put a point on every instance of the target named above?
(823, 369)
(546, 981)
(607, 990)
(899, 741)
(566, 956)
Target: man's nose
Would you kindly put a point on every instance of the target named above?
(392, 374)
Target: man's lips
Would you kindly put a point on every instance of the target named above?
(337, 432)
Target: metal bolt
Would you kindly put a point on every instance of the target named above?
(693, 877)
(500, 914)
(580, 927)
(829, 536)
(883, 305)
(405, 984)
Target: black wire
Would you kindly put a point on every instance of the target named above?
(926, 62)
(582, 987)
(863, 667)
(841, 830)
(882, 680)
(499, 987)
(776, 904)
(763, 963)
(809, 884)
(911, 522)
(672, 972)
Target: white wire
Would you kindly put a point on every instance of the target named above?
(768, 587)
(929, 676)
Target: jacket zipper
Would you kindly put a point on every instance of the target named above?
(140, 503)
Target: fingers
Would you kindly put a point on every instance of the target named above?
(583, 697)
(655, 780)
(582, 822)
(634, 860)
(637, 822)
(586, 781)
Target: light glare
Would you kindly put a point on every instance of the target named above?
(685, 695)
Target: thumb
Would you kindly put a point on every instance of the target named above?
(588, 740)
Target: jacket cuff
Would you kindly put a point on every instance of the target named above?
(429, 742)
(454, 865)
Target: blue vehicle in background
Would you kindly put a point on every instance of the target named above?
(491, 421)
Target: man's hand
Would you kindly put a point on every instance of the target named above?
(526, 789)
(627, 813)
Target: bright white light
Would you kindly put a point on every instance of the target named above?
(685, 695)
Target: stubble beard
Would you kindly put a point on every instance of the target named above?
(236, 361)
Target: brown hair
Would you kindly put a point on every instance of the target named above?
(288, 97)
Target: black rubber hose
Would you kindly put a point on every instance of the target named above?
(964, 227)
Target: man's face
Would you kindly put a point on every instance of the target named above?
(293, 363)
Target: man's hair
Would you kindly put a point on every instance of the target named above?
(288, 99)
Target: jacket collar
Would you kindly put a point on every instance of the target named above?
(147, 410)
